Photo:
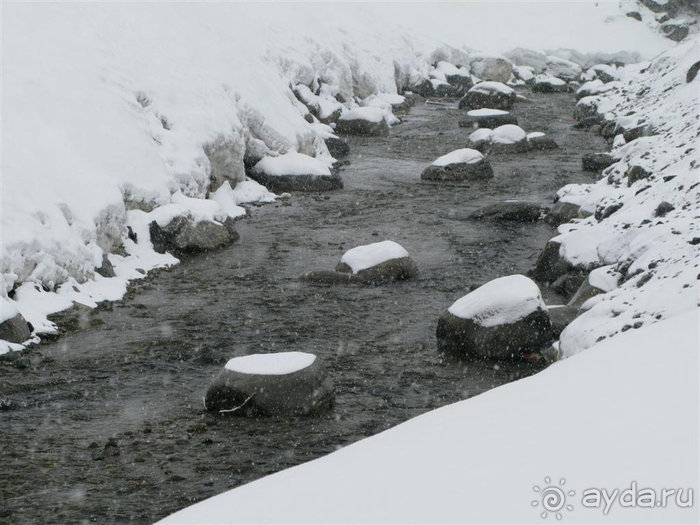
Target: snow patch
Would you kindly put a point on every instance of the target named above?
(275, 364)
(369, 255)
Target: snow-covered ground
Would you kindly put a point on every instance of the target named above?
(625, 412)
(110, 110)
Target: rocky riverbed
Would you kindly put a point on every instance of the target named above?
(107, 423)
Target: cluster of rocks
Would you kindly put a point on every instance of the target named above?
(674, 18)
(183, 234)
(509, 138)
(458, 166)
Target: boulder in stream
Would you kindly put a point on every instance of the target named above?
(295, 172)
(277, 384)
(184, 234)
(15, 329)
(459, 165)
(494, 95)
(377, 262)
(549, 84)
(503, 319)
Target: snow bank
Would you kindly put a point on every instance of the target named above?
(459, 156)
(478, 460)
(275, 364)
(369, 255)
(501, 301)
(656, 253)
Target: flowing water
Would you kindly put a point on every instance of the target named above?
(137, 370)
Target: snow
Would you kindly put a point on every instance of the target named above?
(508, 134)
(477, 461)
(550, 79)
(480, 135)
(459, 156)
(486, 112)
(525, 73)
(371, 114)
(490, 86)
(604, 278)
(369, 255)
(502, 301)
(293, 163)
(534, 135)
(276, 364)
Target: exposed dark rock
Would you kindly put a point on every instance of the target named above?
(184, 235)
(635, 133)
(636, 173)
(692, 72)
(505, 341)
(562, 212)
(106, 269)
(327, 277)
(15, 329)
(603, 212)
(663, 208)
(463, 81)
(548, 86)
(569, 283)
(542, 142)
(520, 146)
(460, 171)
(675, 32)
(338, 148)
(584, 292)
(550, 264)
(305, 392)
(515, 211)
(560, 318)
(597, 161)
(635, 15)
(286, 183)
(361, 127)
(487, 121)
(588, 122)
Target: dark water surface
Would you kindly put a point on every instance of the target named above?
(137, 370)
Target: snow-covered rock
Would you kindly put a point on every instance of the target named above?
(491, 67)
(296, 172)
(364, 121)
(494, 95)
(538, 141)
(487, 118)
(378, 262)
(528, 57)
(562, 68)
(524, 73)
(505, 318)
(549, 84)
(459, 165)
(282, 384)
(184, 234)
(508, 134)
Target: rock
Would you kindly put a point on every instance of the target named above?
(603, 212)
(480, 140)
(282, 384)
(326, 277)
(492, 95)
(589, 122)
(527, 57)
(636, 173)
(674, 31)
(338, 148)
(295, 172)
(183, 235)
(459, 165)
(491, 68)
(600, 280)
(656, 7)
(487, 118)
(516, 211)
(540, 142)
(560, 317)
(509, 138)
(378, 262)
(363, 121)
(525, 74)
(424, 89)
(505, 318)
(444, 90)
(549, 84)
(692, 72)
(635, 15)
(610, 130)
(663, 208)
(562, 212)
(634, 133)
(597, 161)
(225, 155)
(586, 107)
(106, 269)
(16, 329)
(111, 448)
(568, 283)
(550, 264)
(563, 69)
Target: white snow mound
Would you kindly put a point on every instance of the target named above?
(369, 255)
(502, 301)
(277, 364)
(508, 134)
(459, 156)
(293, 163)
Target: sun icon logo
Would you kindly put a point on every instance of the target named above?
(552, 498)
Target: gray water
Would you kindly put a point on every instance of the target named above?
(137, 370)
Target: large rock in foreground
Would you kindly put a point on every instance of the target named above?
(459, 165)
(16, 329)
(493, 95)
(503, 319)
(282, 384)
(363, 121)
(377, 262)
(295, 172)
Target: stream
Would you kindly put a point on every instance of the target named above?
(136, 371)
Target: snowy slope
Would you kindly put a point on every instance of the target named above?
(477, 461)
(658, 254)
